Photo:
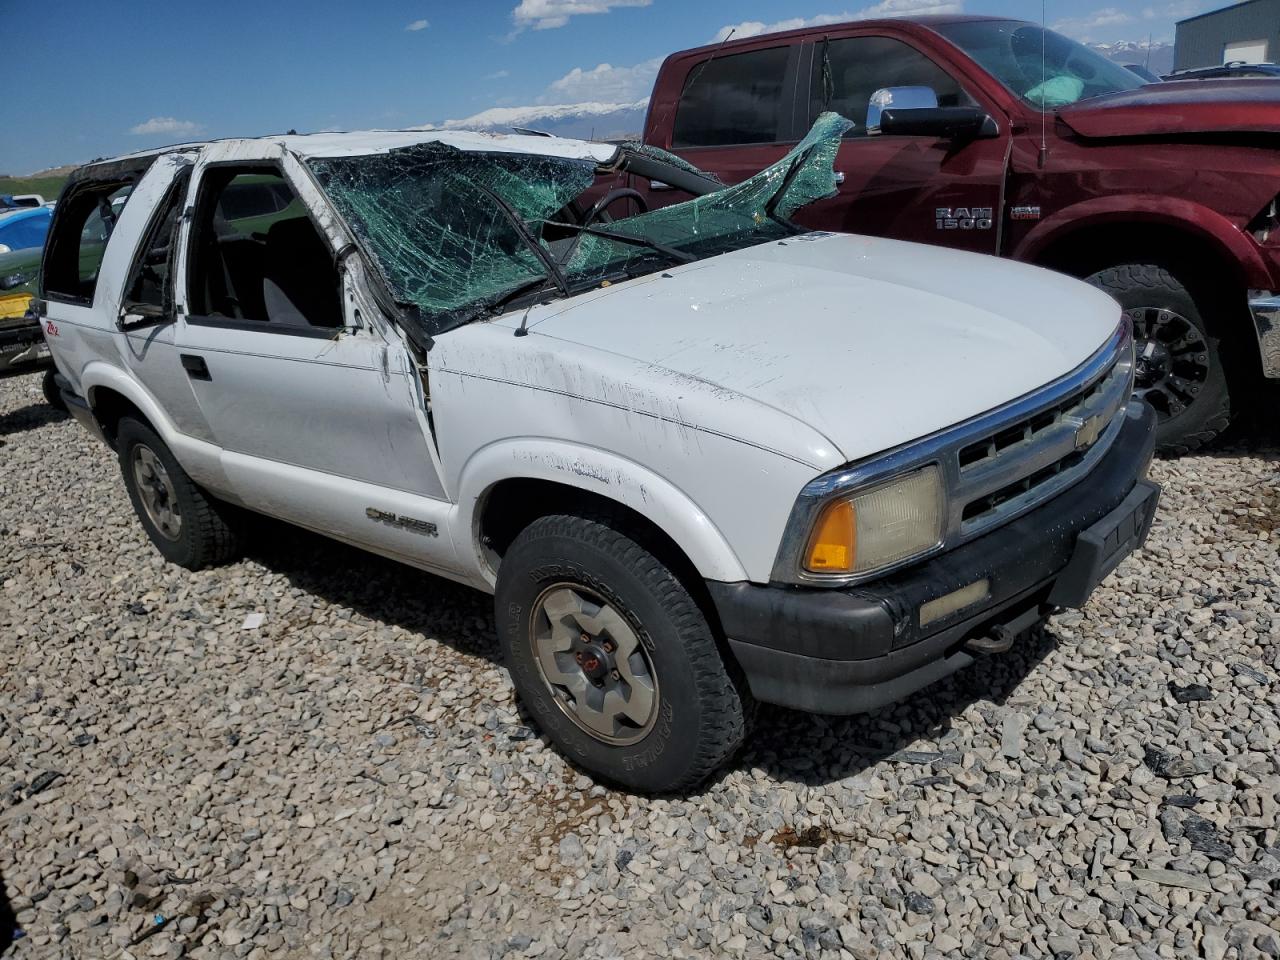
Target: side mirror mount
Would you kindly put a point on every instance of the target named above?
(945, 123)
(899, 98)
(134, 315)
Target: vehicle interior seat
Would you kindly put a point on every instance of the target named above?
(299, 277)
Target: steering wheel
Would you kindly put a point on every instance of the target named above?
(601, 209)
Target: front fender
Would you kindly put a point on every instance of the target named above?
(599, 472)
(1185, 215)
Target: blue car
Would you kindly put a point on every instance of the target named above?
(23, 228)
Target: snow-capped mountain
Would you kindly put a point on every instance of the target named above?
(594, 121)
(1156, 56)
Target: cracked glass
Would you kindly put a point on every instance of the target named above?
(457, 234)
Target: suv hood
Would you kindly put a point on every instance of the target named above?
(873, 343)
(1180, 107)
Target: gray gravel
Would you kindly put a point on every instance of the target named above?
(353, 778)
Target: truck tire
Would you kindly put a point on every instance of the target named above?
(52, 395)
(613, 658)
(1180, 359)
(186, 525)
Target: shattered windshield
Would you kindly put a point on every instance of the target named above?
(456, 234)
(1042, 67)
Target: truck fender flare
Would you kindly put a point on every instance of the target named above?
(202, 460)
(601, 473)
(99, 374)
(1184, 215)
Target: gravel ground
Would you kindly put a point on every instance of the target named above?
(353, 778)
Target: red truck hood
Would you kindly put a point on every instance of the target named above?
(1178, 107)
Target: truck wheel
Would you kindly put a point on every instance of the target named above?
(1180, 369)
(613, 658)
(186, 525)
(52, 395)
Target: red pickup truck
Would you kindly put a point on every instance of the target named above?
(996, 136)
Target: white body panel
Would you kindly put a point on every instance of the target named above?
(703, 397)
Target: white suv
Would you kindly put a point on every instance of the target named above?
(699, 454)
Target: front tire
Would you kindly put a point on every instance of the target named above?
(52, 395)
(186, 525)
(613, 658)
(1181, 368)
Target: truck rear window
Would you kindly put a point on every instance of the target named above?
(732, 100)
(81, 228)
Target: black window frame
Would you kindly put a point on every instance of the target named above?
(174, 198)
(63, 240)
(812, 97)
(786, 130)
(200, 211)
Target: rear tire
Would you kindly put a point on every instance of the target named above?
(592, 622)
(52, 395)
(1182, 370)
(187, 526)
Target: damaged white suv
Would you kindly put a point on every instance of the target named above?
(699, 454)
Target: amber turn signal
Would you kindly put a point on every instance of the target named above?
(834, 543)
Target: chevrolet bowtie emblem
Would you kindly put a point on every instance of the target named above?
(1088, 432)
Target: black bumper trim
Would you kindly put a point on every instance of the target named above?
(847, 651)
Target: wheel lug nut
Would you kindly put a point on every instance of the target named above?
(615, 674)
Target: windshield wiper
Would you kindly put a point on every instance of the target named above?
(535, 247)
(771, 207)
(662, 248)
(498, 306)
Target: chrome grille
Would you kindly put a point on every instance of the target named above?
(994, 467)
(1038, 455)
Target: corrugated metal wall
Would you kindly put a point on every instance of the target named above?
(1201, 40)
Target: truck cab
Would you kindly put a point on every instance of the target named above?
(964, 136)
(700, 455)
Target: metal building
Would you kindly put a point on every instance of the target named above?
(1248, 31)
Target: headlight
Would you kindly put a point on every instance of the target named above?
(878, 526)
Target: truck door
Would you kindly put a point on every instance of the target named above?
(736, 115)
(317, 408)
(918, 188)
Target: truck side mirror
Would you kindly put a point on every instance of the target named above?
(947, 123)
(899, 98)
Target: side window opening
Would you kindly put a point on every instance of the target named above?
(847, 72)
(256, 256)
(78, 242)
(149, 281)
(733, 100)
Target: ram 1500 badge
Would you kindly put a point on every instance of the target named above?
(698, 454)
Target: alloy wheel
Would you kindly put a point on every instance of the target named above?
(1171, 358)
(155, 490)
(594, 663)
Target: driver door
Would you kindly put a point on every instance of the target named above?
(918, 188)
(315, 403)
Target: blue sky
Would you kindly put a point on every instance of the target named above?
(95, 79)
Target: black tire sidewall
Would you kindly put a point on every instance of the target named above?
(49, 387)
(664, 758)
(186, 550)
(1149, 285)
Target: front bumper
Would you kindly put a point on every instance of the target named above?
(853, 650)
(1266, 321)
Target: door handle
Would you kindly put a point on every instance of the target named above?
(839, 176)
(195, 366)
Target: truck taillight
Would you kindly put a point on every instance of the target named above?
(1267, 223)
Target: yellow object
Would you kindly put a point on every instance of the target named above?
(14, 304)
(954, 602)
(834, 543)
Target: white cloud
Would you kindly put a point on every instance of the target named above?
(885, 8)
(604, 82)
(549, 14)
(498, 75)
(417, 25)
(163, 125)
(1082, 27)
